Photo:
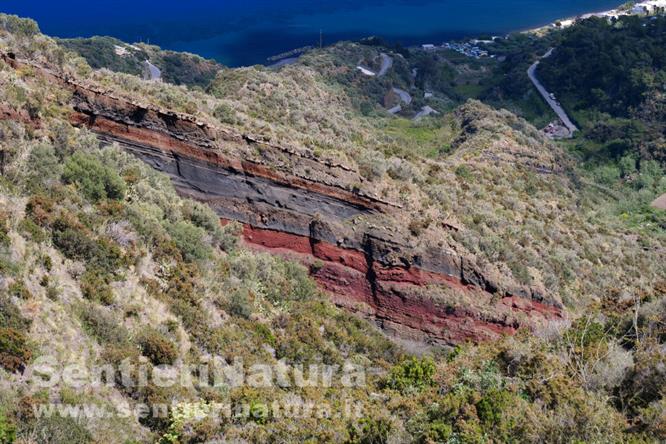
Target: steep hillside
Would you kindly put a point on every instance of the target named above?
(267, 221)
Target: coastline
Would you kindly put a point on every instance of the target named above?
(615, 12)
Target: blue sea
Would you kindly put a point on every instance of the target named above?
(245, 32)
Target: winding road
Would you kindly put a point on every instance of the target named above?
(554, 104)
(387, 63)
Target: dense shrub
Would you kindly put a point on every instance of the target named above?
(157, 348)
(102, 325)
(7, 430)
(492, 408)
(14, 350)
(412, 374)
(20, 26)
(94, 179)
(370, 431)
(95, 286)
(59, 430)
(4, 231)
(225, 114)
(41, 208)
(240, 304)
(73, 239)
(190, 240)
(10, 316)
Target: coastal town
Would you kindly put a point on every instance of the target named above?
(476, 48)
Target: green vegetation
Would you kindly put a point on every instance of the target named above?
(412, 374)
(95, 180)
(611, 76)
(15, 349)
(7, 430)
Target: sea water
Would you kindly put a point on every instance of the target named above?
(244, 32)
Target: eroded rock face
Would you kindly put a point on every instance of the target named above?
(394, 294)
(294, 204)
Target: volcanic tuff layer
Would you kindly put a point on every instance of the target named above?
(294, 204)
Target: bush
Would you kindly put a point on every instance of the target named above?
(412, 374)
(94, 179)
(10, 316)
(288, 281)
(19, 290)
(464, 172)
(95, 287)
(493, 406)
(59, 430)
(371, 165)
(204, 217)
(225, 114)
(370, 431)
(14, 350)
(158, 349)
(22, 27)
(7, 430)
(240, 304)
(45, 167)
(438, 431)
(102, 325)
(72, 239)
(190, 241)
(4, 231)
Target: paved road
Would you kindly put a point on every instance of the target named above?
(284, 62)
(425, 112)
(395, 110)
(387, 63)
(546, 95)
(366, 71)
(404, 95)
(152, 72)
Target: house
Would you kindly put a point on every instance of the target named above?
(151, 72)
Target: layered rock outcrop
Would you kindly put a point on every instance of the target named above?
(292, 203)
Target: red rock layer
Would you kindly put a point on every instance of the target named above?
(390, 294)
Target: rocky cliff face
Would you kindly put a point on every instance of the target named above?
(294, 204)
